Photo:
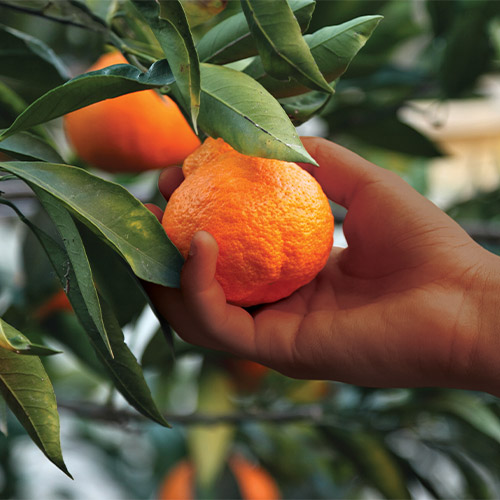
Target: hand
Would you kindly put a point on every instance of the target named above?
(402, 306)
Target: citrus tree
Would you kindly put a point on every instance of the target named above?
(248, 72)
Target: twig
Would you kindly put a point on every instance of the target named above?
(38, 13)
(112, 415)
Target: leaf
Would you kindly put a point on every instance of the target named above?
(26, 388)
(22, 55)
(124, 369)
(77, 258)
(26, 146)
(113, 277)
(209, 445)
(170, 26)
(13, 340)
(283, 51)
(235, 107)
(111, 212)
(375, 464)
(231, 40)
(201, 11)
(472, 410)
(388, 132)
(87, 89)
(332, 47)
(466, 58)
(303, 107)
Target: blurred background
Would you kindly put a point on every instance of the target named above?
(422, 98)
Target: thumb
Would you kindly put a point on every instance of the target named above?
(198, 281)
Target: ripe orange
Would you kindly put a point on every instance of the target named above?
(254, 482)
(131, 133)
(271, 220)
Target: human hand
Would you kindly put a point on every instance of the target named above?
(402, 306)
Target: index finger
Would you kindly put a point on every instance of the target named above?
(341, 172)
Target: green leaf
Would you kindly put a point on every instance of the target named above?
(472, 410)
(13, 340)
(235, 107)
(124, 369)
(112, 213)
(303, 107)
(466, 58)
(22, 55)
(87, 89)
(26, 146)
(170, 26)
(209, 445)
(231, 40)
(332, 47)
(114, 278)
(103, 9)
(283, 51)
(375, 463)
(77, 258)
(388, 132)
(26, 388)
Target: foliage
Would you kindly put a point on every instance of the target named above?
(239, 76)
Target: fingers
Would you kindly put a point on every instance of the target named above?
(169, 180)
(199, 312)
(155, 210)
(341, 172)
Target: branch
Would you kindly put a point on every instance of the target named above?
(41, 13)
(112, 415)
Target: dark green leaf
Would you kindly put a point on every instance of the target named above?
(22, 55)
(236, 108)
(26, 146)
(303, 107)
(333, 48)
(77, 257)
(65, 11)
(231, 40)
(465, 58)
(390, 133)
(26, 388)
(112, 213)
(283, 51)
(13, 340)
(90, 88)
(169, 24)
(114, 279)
(375, 463)
(442, 14)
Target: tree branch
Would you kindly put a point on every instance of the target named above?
(112, 415)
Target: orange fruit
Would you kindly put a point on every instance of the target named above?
(270, 218)
(254, 482)
(55, 303)
(179, 483)
(130, 133)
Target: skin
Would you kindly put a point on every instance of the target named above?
(411, 302)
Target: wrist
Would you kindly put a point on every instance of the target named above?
(480, 329)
